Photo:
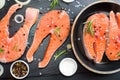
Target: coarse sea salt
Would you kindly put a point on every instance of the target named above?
(79, 4)
(39, 59)
(68, 66)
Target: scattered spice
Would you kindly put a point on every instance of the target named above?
(53, 4)
(19, 69)
(89, 28)
(1, 50)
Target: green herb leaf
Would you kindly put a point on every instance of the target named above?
(118, 54)
(59, 54)
(89, 27)
(57, 31)
(15, 47)
(53, 4)
(1, 50)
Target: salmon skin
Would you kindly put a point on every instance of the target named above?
(113, 46)
(13, 48)
(55, 23)
(94, 36)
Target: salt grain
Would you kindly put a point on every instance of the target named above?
(41, 44)
(107, 30)
(52, 22)
(78, 39)
(72, 12)
(117, 37)
(40, 73)
(48, 8)
(78, 4)
(113, 38)
(108, 44)
(40, 8)
(48, 25)
(24, 58)
(69, 10)
(34, 58)
(71, 20)
(101, 38)
(39, 59)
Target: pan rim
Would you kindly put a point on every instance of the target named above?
(72, 40)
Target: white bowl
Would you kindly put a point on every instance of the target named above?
(14, 64)
(68, 66)
(68, 1)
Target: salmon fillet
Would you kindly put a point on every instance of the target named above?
(55, 23)
(113, 46)
(14, 47)
(118, 18)
(94, 36)
(4, 23)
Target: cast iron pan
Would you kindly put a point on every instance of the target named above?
(106, 66)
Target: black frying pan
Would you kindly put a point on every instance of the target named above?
(106, 66)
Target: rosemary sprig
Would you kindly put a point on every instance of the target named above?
(59, 54)
(1, 50)
(89, 27)
(53, 4)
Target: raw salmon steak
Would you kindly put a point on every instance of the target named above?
(113, 46)
(94, 36)
(13, 48)
(55, 23)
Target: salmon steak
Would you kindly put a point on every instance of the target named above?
(13, 48)
(94, 36)
(113, 43)
(55, 23)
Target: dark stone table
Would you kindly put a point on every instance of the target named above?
(51, 72)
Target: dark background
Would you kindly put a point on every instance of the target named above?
(51, 72)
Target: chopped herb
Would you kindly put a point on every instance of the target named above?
(57, 31)
(89, 27)
(53, 4)
(59, 54)
(118, 54)
(15, 47)
(1, 50)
